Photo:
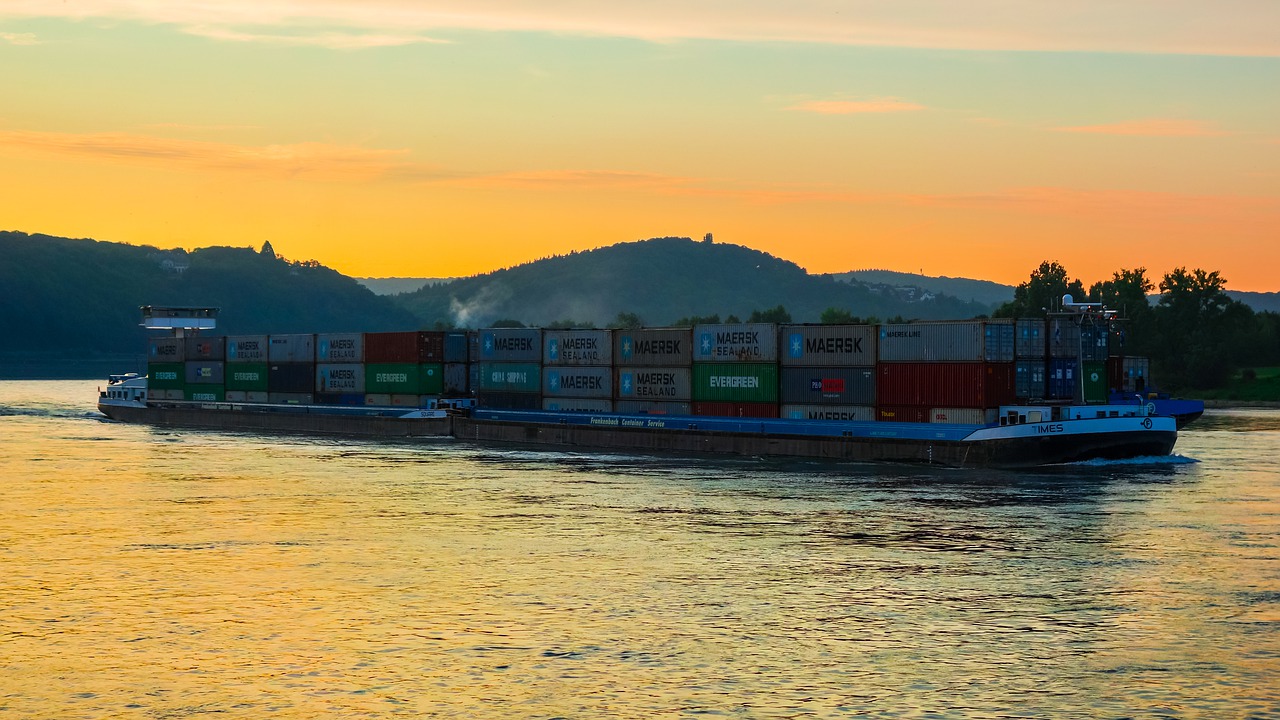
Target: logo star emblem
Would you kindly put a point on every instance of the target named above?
(796, 346)
(626, 383)
(706, 344)
(554, 348)
(626, 346)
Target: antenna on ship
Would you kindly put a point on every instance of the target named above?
(179, 319)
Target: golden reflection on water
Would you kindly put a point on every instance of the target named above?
(149, 573)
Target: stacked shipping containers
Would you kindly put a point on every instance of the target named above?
(166, 373)
(408, 368)
(291, 369)
(577, 370)
(828, 372)
(507, 368)
(958, 372)
(654, 375)
(247, 368)
(1030, 349)
(735, 370)
(340, 370)
(205, 368)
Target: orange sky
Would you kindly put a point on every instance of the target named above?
(397, 138)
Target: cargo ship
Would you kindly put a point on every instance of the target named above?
(960, 393)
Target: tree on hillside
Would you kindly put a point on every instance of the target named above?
(777, 315)
(626, 321)
(1042, 293)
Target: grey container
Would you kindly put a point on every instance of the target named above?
(827, 345)
(166, 349)
(1029, 338)
(340, 348)
(247, 348)
(827, 386)
(567, 404)
(579, 382)
(577, 347)
(457, 379)
(999, 340)
(292, 348)
(340, 378)
(645, 407)
(932, 342)
(206, 347)
(250, 396)
(736, 342)
(1028, 379)
(848, 413)
(508, 345)
(660, 384)
(205, 372)
(653, 347)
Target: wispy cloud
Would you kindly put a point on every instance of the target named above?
(19, 38)
(1155, 127)
(1225, 27)
(317, 161)
(853, 107)
(334, 40)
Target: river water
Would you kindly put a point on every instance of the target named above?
(150, 573)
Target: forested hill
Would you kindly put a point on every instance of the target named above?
(662, 280)
(80, 298)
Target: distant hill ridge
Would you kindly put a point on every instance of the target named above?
(663, 280)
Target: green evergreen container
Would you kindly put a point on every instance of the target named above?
(205, 393)
(1094, 375)
(250, 376)
(735, 382)
(166, 376)
(431, 379)
(392, 378)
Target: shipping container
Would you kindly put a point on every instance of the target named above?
(945, 384)
(828, 345)
(1135, 375)
(999, 339)
(339, 378)
(205, 393)
(249, 377)
(291, 377)
(847, 413)
(509, 377)
(1029, 379)
(166, 376)
(248, 349)
(509, 400)
(736, 342)
(646, 407)
(663, 384)
(583, 382)
(654, 347)
(827, 386)
(1062, 379)
(204, 372)
(165, 394)
(735, 382)
(340, 348)
(1030, 341)
(378, 399)
(567, 404)
(246, 396)
(736, 409)
(404, 378)
(206, 347)
(1094, 376)
(901, 413)
(339, 398)
(456, 348)
(947, 341)
(1095, 342)
(291, 398)
(963, 416)
(457, 379)
(166, 350)
(292, 348)
(577, 347)
(507, 345)
(408, 401)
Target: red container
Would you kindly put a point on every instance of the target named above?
(898, 413)
(1115, 372)
(958, 385)
(731, 409)
(404, 347)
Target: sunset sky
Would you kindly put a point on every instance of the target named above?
(451, 137)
